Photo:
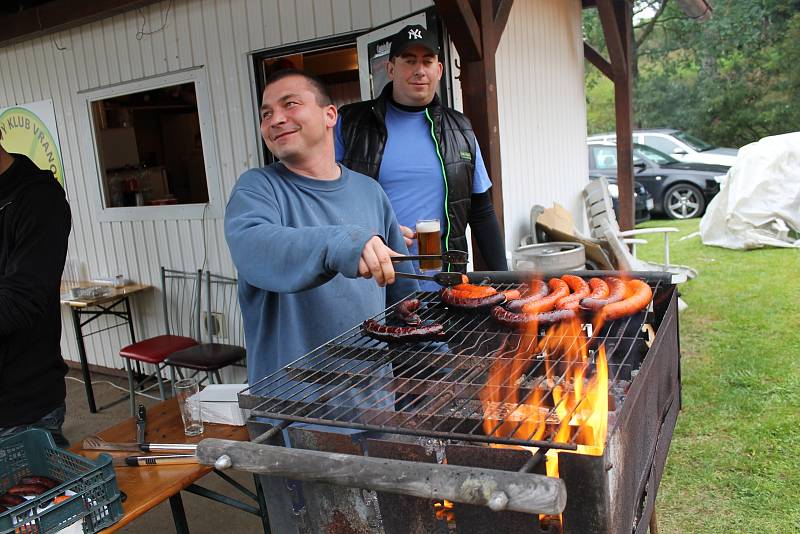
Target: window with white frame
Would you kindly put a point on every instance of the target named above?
(154, 155)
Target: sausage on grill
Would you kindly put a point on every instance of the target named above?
(537, 291)
(517, 320)
(616, 292)
(558, 290)
(382, 332)
(472, 291)
(450, 298)
(580, 289)
(640, 296)
(407, 311)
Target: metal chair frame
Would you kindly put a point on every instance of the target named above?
(221, 297)
(177, 323)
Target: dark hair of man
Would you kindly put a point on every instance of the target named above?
(317, 85)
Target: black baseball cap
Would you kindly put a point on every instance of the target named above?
(414, 35)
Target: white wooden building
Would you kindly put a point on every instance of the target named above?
(213, 43)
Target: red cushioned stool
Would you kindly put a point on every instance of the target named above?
(181, 302)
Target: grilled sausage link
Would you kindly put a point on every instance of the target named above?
(11, 500)
(599, 288)
(616, 292)
(473, 291)
(450, 298)
(558, 290)
(383, 332)
(47, 482)
(407, 311)
(580, 289)
(26, 489)
(537, 291)
(640, 296)
(518, 320)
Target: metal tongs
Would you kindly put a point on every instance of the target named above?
(453, 257)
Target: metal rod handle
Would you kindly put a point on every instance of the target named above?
(499, 490)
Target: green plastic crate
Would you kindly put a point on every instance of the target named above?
(97, 501)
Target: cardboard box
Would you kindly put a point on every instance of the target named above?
(219, 404)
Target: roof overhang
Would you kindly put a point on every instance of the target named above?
(51, 16)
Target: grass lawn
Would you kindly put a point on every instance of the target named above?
(734, 461)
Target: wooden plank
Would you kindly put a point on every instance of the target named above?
(623, 109)
(594, 57)
(463, 27)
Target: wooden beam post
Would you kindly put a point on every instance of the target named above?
(616, 17)
(484, 20)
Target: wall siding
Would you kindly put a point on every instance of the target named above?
(218, 35)
(542, 111)
(542, 118)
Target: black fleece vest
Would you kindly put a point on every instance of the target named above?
(364, 134)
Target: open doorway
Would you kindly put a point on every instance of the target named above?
(335, 61)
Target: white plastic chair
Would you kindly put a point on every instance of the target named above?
(603, 225)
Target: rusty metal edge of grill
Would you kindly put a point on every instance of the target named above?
(249, 398)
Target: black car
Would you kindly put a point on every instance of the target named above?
(680, 190)
(642, 200)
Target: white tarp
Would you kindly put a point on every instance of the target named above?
(759, 203)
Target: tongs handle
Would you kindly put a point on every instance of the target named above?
(457, 257)
(443, 279)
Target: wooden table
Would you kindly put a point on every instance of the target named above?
(93, 309)
(149, 486)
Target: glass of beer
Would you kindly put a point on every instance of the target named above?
(429, 239)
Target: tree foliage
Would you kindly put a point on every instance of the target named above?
(730, 80)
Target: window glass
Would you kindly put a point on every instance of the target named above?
(692, 141)
(642, 151)
(150, 148)
(658, 142)
(605, 157)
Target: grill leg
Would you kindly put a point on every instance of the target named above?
(653, 522)
(262, 504)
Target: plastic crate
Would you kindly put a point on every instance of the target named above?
(97, 501)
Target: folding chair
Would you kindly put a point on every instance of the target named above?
(223, 322)
(181, 304)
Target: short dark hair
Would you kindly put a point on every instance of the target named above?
(317, 85)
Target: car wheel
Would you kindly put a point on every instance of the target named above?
(683, 201)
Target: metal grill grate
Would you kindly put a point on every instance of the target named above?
(433, 388)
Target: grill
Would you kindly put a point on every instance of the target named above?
(357, 382)
(426, 404)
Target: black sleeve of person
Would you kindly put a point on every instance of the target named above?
(486, 231)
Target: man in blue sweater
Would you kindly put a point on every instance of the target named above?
(312, 240)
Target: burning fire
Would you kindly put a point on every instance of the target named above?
(568, 403)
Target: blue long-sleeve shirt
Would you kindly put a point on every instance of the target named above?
(296, 243)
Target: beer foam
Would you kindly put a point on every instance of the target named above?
(426, 227)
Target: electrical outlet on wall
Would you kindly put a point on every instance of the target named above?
(217, 325)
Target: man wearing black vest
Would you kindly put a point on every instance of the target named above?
(34, 228)
(423, 154)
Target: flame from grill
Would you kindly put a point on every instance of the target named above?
(567, 405)
(576, 407)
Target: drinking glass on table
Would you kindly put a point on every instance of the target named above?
(429, 241)
(190, 410)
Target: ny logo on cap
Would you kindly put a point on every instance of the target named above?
(415, 33)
